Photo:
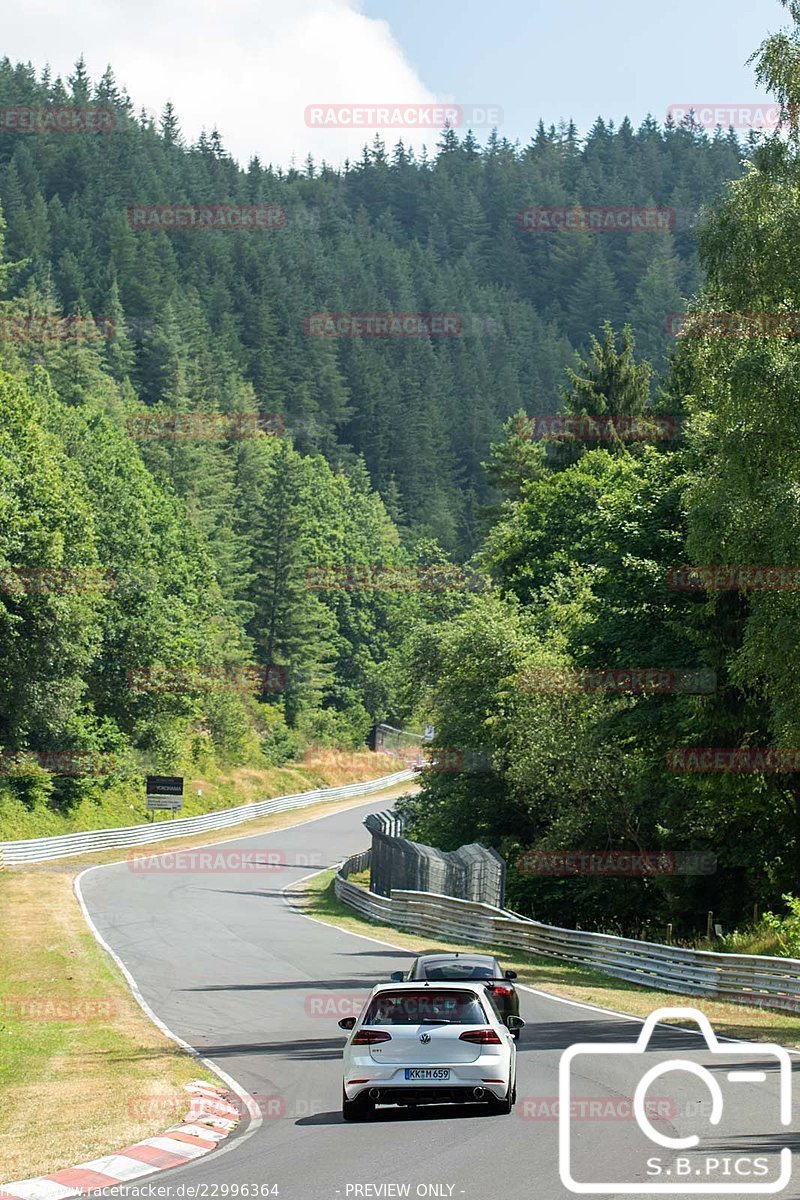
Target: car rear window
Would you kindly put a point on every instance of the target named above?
(458, 970)
(414, 1008)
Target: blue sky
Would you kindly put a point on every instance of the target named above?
(552, 60)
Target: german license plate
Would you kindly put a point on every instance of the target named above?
(438, 1073)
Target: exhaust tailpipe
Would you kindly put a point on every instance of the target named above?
(374, 1094)
(479, 1093)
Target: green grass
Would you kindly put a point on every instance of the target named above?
(360, 879)
(123, 803)
(316, 896)
(758, 940)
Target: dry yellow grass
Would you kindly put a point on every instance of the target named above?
(71, 1086)
(337, 767)
(317, 768)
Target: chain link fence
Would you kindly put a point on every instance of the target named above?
(472, 872)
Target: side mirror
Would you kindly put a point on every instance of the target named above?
(510, 974)
(397, 976)
(513, 1022)
(347, 1022)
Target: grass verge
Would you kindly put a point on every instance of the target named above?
(79, 1057)
(110, 805)
(83, 1071)
(316, 896)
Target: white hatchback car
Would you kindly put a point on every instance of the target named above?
(428, 1043)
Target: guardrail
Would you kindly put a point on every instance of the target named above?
(33, 850)
(738, 978)
(357, 863)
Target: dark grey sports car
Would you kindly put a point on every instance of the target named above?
(456, 967)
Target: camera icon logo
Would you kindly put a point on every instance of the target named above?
(678, 1184)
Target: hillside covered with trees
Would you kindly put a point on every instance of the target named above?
(202, 315)
(699, 754)
(211, 487)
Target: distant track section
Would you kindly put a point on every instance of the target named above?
(33, 850)
(400, 743)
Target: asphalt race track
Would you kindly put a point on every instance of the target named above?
(257, 988)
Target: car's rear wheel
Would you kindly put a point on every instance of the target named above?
(360, 1109)
(503, 1107)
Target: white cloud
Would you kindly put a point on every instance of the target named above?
(248, 67)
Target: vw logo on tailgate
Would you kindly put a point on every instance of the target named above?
(424, 1038)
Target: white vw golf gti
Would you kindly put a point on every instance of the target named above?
(428, 1043)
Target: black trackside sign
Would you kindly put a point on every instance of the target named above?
(164, 785)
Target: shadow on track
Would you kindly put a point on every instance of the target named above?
(422, 1112)
(365, 982)
(307, 1050)
(559, 1035)
(389, 952)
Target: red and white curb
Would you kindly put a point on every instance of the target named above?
(211, 1118)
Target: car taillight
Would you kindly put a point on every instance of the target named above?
(501, 991)
(483, 1037)
(368, 1037)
